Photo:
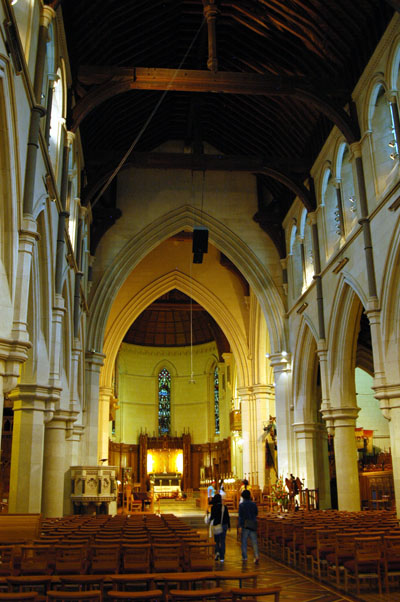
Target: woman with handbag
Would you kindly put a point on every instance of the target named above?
(220, 523)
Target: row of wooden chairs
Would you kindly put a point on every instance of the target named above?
(173, 556)
(87, 586)
(342, 547)
(178, 595)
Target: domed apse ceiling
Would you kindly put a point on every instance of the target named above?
(175, 320)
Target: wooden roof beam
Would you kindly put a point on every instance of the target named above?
(118, 81)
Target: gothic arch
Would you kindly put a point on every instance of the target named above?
(305, 362)
(170, 366)
(342, 340)
(390, 296)
(151, 292)
(222, 237)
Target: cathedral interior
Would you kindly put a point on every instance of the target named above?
(199, 250)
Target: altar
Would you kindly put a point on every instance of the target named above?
(166, 484)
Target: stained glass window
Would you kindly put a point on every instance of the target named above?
(164, 402)
(216, 400)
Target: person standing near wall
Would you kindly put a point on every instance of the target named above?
(248, 524)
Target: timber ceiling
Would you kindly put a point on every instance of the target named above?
(281, 75)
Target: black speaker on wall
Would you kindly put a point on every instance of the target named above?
(200, 240)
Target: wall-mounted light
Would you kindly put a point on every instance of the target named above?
(392, 144)
(267, 355)
(283, 353)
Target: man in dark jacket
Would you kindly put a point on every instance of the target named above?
(248, 523)
(220, 516)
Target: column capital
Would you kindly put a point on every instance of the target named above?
(355, 148)
(13, 353)
(34, 397)
(312, 218)
(341, 417)
(391, 96)
(47, 15)
(280, 362)
(284, 263)
(70, 137)
(95, 360)
(306, 428)
(62, 419)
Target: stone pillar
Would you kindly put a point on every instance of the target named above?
(247, 410)
(56, 339)
(346, 457)
(31, 405)
(306, 453)
(324, 480)
(224, 402)
(281, 365)
(389, 398)
(339, 200)
(55, 463)
(105, 397)
(12, 355)
(313, 461)
(263, 411)
(27, 238)
(94, 363)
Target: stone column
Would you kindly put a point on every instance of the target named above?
(94, 363)
(28, 236)
(247, 410)
(56, 339)
(224, 402)
(105, 396)
(313, 462)
(322, 462)
(31, 405)
(12, 355)
(339, 201)
(262, 413)
(281, 365)
(346, 457)
(55, 463)
(306, 453)
(389, 398)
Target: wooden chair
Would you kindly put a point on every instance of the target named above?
(391, 558)
(326, 539)
(167, 557)
(344, 550)
(35, 560)
(7, 554)
(136, 559)
(251, 594)
(185, 595)
(38, 584)
(70, 560)
(9, 597)
(150, 595)
(200, 556)
(104, 558)
(81, 583)
(366, 563)
(68, 596)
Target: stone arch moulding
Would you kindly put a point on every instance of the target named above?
(222, 237)
(164, 364)
(149, 294)
(390, 296)
(303, 362)
(342, 338)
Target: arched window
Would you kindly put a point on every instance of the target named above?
(382, 137)
(348, 195)
(332, 220)
(164, 402)
(297, 264)
(216, 400)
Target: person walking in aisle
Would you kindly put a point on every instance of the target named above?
(220, 524)
(248, 523)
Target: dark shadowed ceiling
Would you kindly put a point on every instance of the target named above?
(262, 81)
(278, 77)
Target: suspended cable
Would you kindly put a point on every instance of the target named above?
(147, 122)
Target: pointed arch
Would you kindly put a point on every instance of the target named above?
(222, 237)
(342, 340)
(149, 294)
(305, 362)
(390, 295)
